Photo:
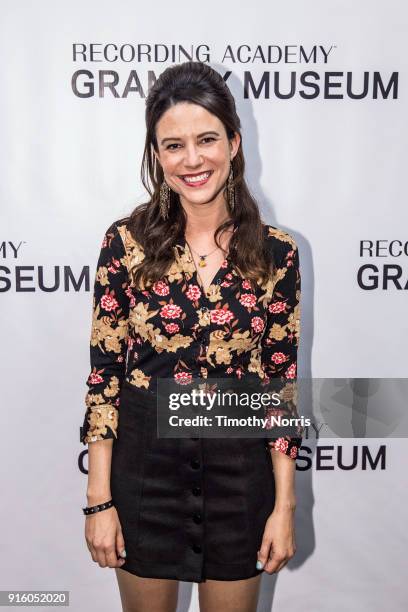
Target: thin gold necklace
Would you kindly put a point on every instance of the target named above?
(202, 263)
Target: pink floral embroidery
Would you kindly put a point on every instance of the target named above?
(279, 358)
(248, 300)
(281, 445)
(291, 371)
(170, 311)
(289, 258)
(193, 292)
(183, 378)
(171, 328)
(161, 288)
(95, 378)
(293, 452)
(257, 324)
(277, 307)
(109, 303)
(220, 316)
(131, 297)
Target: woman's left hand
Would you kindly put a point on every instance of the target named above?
(278, 541)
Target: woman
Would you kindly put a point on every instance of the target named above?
(191, 284)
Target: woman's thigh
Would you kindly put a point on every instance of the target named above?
(146, 594)
(229, 595)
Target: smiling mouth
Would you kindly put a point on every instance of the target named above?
(196, 179)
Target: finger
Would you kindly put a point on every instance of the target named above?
(263, 553)
(120, 544)
(273, 562)
(92, 551)
(111, 557)
(282, 565)
(288, 556)
(100, 555)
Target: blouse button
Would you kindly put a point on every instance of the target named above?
(196, 491)
(195, 464)
(197, 518)
(196, 548)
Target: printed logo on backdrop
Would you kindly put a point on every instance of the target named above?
(385, 267)
(14, 276)
(120, 70)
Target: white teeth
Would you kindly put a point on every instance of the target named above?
(196, 179)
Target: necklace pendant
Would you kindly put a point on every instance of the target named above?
(202, 262)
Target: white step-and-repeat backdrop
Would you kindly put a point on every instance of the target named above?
(321, 88)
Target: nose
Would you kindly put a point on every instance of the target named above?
(192, 157)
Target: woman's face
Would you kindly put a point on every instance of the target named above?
(193, 143)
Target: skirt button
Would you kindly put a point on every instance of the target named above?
(197, 548)
(196, 490)
(197, 518)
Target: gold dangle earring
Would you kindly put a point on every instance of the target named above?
(231, 190)
(164, 199)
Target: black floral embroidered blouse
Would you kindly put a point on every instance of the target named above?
(175, 329)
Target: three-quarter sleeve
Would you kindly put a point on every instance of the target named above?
(281, 338)
(108, 342)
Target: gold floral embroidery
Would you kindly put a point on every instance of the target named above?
(138, 320)
(113, 388)
(223, 349)
(103, 335)
(255, 363)
(139, 379)
(279, 275)
(94, 399)
(289, 393)
(134, 253)
(182, 263)
(281, 235)
(294, 322)
(100, 419)
(102, 276)
(204, 318)
(278, 332)
(214, 293)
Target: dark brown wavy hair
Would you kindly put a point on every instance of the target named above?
(196, 83)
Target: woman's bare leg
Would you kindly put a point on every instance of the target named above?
(229, 595)
(146, 594)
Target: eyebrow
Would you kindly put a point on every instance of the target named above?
(198, 136)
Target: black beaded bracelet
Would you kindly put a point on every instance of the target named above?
(98, 508)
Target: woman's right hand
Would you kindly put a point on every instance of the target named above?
(104, 538)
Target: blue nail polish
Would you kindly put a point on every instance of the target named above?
(259, 565)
